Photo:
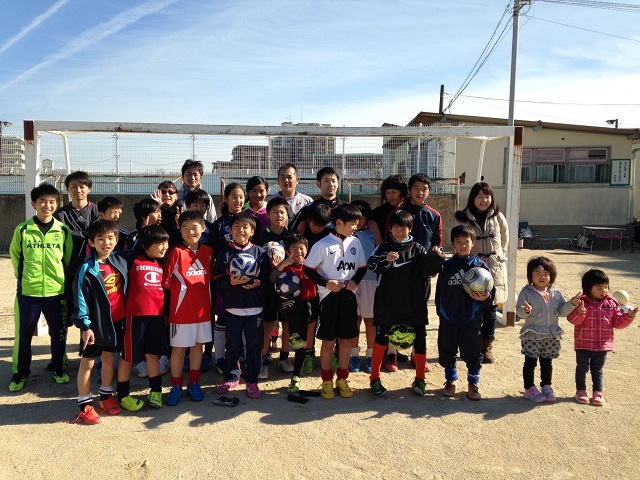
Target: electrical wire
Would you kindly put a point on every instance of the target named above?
(582, 28)
(621, 7)
(557, 103)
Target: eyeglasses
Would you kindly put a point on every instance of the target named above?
(170, 192)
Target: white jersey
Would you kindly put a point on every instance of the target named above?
(336, 258)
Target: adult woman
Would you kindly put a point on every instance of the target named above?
(167, 197)
(393, 193)
(492, 238)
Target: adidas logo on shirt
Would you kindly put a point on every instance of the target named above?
(456, 279)
(196, 269)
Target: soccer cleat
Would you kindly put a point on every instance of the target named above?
(253, 390)
(419, 386)
(581, 396)
(354, 364)
(377, 389)
(175, 393)
(344, 388)
(547, 391)
(141, 368)
(165, 365)
(131, 404)
(195, 392)
(110, 405)
(534, 395)
(307, 365)
(89, 416)
(472, 392)
(155, 400)
(206, 364)
(449, 389)
(598, 398)
(391, 363)
(61, 377)
(17, 383)
(225, 386)
(294, 386)
(264, 372)
(326, 390)
(285, 365)
(296, 342)
(367, 365)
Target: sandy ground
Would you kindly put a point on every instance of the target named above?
(400, 435)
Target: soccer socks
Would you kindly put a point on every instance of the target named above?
(327, 375)
(473, 376)
(177, 381)
(84, 400)
(284, 355)
(123, 389)
(298, 361)
(342, 374)
(194, 376)
(105, 392)
(219, 340)
(155, 383)
(376, 361)
(420, 359)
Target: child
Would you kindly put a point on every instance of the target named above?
(145, 336)
(258, 189)
(595, 317)
(99, 290)
(328, 181)
(288, 181)
(243, 301)
(192, 172)
(110, 208)
(370, 239)
(187, 275)
(402, 266)
(337, 264)
(147, 212)
(40, 246)
(296, 312)
(540, 304)
(198, 200)
(460, 314)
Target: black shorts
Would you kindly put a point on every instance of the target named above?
(94, 351)
(315, 309)
(298, 316)
(270, 310)
(144, 335)
(338, 316)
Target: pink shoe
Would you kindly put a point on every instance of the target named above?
(598, 399)
(252, 390)
(582, 397)
(224, 387)
(547, 391)
(391, 363)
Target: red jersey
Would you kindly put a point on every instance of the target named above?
(309, 290)
(145, 295)
(114, 283)
(187, 274)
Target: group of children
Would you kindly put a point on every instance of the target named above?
(75, 265)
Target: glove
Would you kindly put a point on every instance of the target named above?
(288, 304)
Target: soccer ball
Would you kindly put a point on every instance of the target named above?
(622, 297)
(288, 285)
(402, 336)
(477, 280)
(243, 265)
(275, 252)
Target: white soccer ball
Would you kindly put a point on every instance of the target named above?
(275, 252)
(288, 285)
(622, 297)
(477, 280)
(243, 265)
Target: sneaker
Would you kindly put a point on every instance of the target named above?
(449, 389)
(221, 363)
(598, 399)
(377, 389)
(224, 387)
(195, 392)
(141, 368)
(296, 342)
(344, 388)
(472, 392)
(264, 372)
(367, 365)
(334, 363)
(391, 363)
(89, 415)
(419, 386)
(547, 391)
(534, 395)
(582, 397)
(307, 365)
(155, 400)
(354, 364)
(165, 365)
(110, 405)
(294, 386)
(131, 404)
(253, 390)
(175, 393)
(17, 383)
(285, 365)
(206, 364)
(326, 390)
(61, 377)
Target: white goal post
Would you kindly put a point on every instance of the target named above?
(33, 160)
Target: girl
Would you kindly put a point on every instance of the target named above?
(258, 189)
(594, 319)
(540, 304)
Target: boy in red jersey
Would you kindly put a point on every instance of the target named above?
(187, 274)
(144, 336)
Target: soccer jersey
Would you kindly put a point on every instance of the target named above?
(145, 296)
(114, 284)
(335, 257)
(309, 289)
(187, 274)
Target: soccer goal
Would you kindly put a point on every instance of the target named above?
(129, 158)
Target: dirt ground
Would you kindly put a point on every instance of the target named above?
(400, 435)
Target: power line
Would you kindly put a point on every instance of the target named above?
(582, 28)
(622, 7)
(558, 103)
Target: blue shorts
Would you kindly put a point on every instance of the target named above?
(144, 335)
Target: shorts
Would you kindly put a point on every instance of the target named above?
(299, 316)
(338, 316)
(144, 335)
(270, 311)
(188, 334)
(94, 351)
(541, 347)
(365, 294)
(315, 309)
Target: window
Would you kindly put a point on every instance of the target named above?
(565, 165)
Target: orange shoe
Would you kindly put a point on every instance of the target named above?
(89, 416)
(111, 406)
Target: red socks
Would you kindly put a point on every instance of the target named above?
(376, 361)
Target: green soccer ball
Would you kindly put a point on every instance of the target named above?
(402, 336)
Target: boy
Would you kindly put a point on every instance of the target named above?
(110, 208)
(147, 212)
(99, 291)
(144, 336)
(288, 181)
(460, 314)
(187, 275)
(199, 200)
(402, 267)
(296, 312)
(192, 172)
(243, 301)
(337, 264)
(328, 181)
(40, 246)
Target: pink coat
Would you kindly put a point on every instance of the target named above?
(594, 329)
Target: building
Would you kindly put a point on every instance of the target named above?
(12, 155)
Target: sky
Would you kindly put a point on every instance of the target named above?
(351, 62)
